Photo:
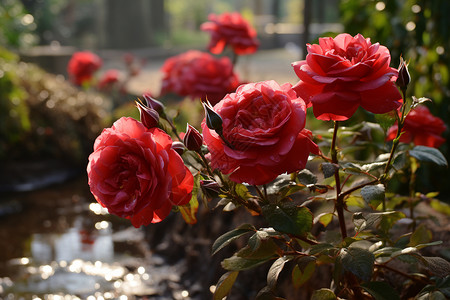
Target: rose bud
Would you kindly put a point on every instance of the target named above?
(210, 188)
(193, 139)
(149, 116)
(403, 78)
(153, 103)
(178, 147)
(213, 119)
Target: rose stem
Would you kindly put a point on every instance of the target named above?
(395, 142)
(339, 196)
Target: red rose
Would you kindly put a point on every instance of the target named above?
(108, 79)
(230, 29)
(346, 72)
(199, 74)
(135, 173)
(82, 66)
(421, 128)
(264, 123)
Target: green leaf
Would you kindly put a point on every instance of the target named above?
(440, 206)
(319, 248)
(224, 285)
(236, 263)
(230, 236)
(288, 218)
(324, 218)
(275, 270)
(385, 120)
(306, 177)
(384, 220)
(352, 168)
(421, 235)
(373, 193)
(358, 261)
(242, 191)
(267, 293)
(381, 290)
(428, 154)
(300, 277)
(259, 246)
(323, 294)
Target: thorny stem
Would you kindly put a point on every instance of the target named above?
(339, 198)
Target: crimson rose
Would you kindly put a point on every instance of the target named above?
(264, 123)
(230, 29)
(82, 66)
(346, 72)
(135, 173)
(199, 74)
(421, 128)
(108, 79)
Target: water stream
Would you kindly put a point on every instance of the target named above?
(57, 243)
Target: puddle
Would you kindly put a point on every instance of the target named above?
(58, 244)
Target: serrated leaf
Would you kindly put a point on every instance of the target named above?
(224, 285)
(384, 220)
(328, 169)
(236, 263)
(358, 261)
(373, 193)
(352, 168)
(319, 248)
(437, 265)
(416, 102)
(288, 218)
(380, 290)
(300, 277)
(323, 294)
(230, 236)
(258, 248)
(429, 154)
(275, 270)
(306, 177)
(373, 166)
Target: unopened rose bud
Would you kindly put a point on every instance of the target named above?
(213, 119)
(153, 103)
(403, 78)
(193, 139)
(149, 116)
(178, 147)
(210, 188)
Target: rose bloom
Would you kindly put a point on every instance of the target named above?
(199, 75)
(82, 66)
(230, 29)
(264, 123)
(346, 72)
(421, 128)
(135, 173)
(108, 79)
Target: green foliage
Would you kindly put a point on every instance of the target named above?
(16, 25)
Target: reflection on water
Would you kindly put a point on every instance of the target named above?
(82, 262)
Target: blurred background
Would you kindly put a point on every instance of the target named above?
(55, 240)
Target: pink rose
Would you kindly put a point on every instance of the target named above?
(199, 75)
(264, 123)
(421, 128)
(230, 29)
(346, 72)
(135, 173)
(82, 66)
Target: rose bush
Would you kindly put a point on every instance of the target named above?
(135, 173)
(233, 30)
(82, 66)
(199, 75)
(264, 123)
(109, 79)
(341, 74)
(421, 128)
